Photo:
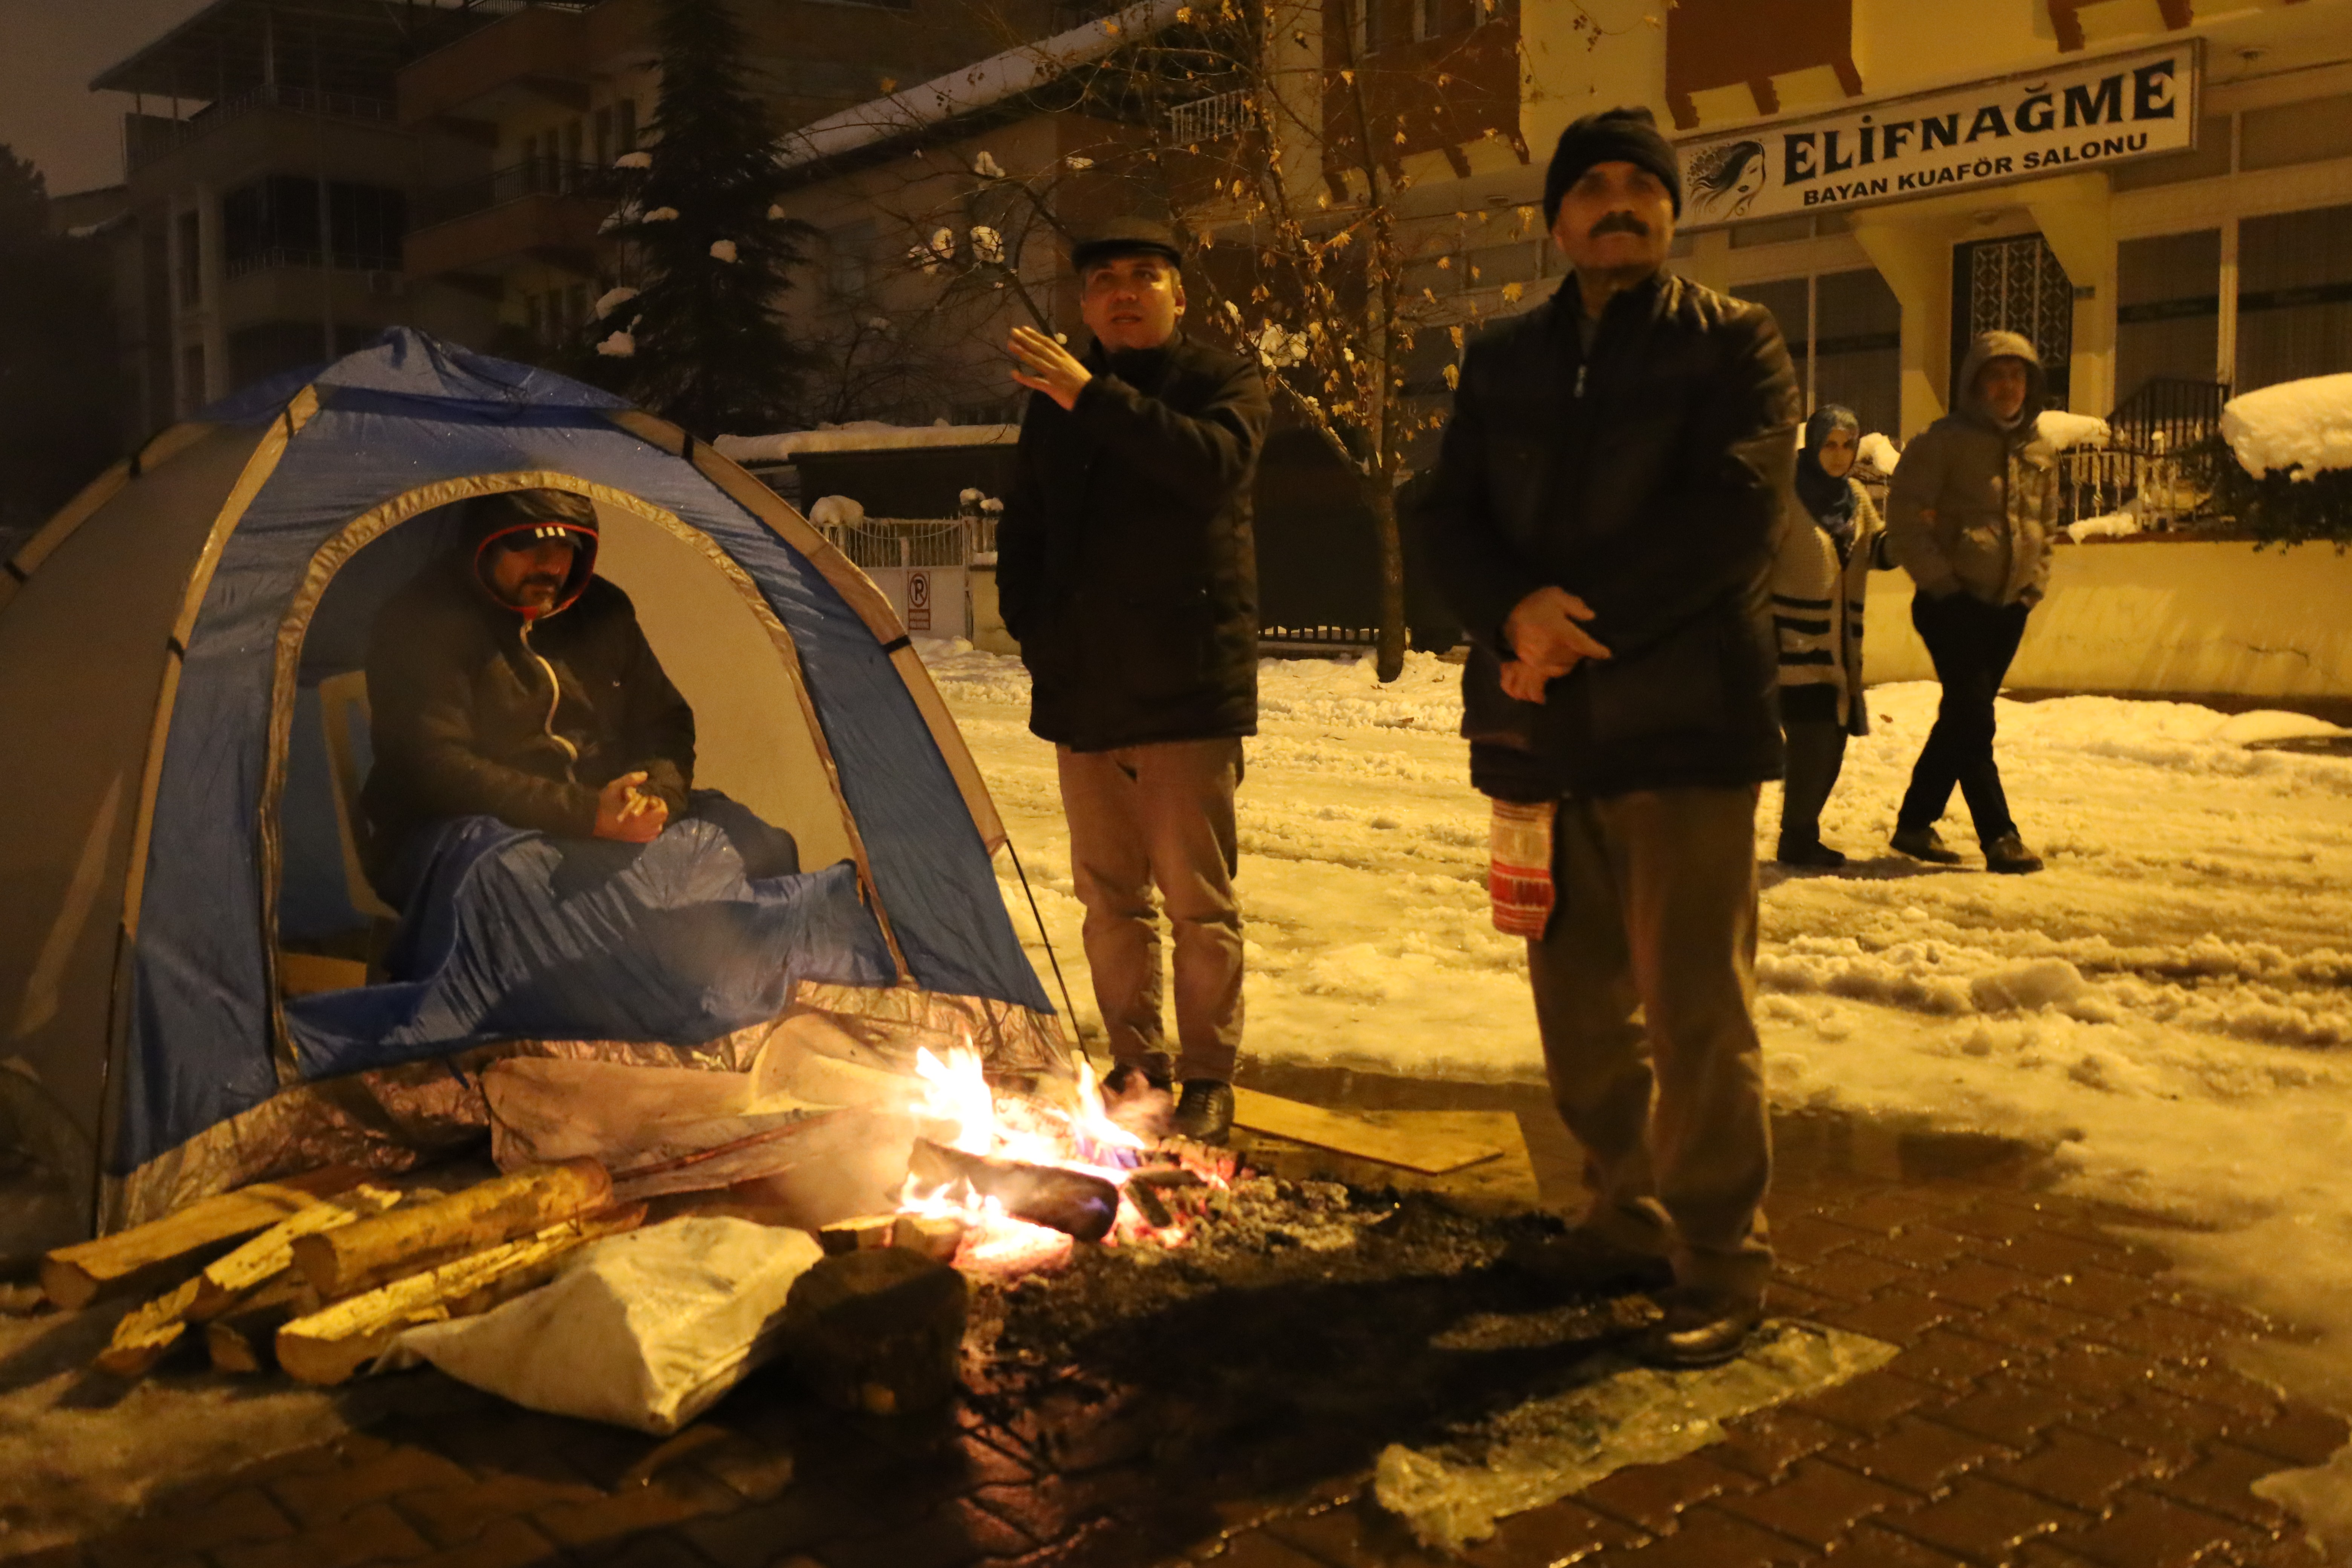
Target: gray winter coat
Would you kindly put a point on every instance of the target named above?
(1974, 507)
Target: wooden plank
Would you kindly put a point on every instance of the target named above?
(1505, 1185)
(147, 1334)
(162, 1252)
(334, 1343)
(359, 1257)
(1431, 1150)
(245, 1339)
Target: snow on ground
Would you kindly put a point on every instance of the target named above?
(2170, 1003)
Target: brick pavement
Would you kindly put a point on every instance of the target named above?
(2054, 1405)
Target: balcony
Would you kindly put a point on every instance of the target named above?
(540, 52)
(545, 210)
(152, 136)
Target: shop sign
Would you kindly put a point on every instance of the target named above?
(2087, 113)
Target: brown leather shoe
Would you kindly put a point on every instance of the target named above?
(1701, 1328)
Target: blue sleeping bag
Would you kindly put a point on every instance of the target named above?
(512, 934)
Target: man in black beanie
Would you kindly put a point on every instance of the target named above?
(1604, 517)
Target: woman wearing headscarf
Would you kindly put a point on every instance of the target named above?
(1818, 581)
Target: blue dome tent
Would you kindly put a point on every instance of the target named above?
(162, 642)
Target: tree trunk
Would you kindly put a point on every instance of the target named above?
(1380, 495)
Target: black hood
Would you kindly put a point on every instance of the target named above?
(491, 520)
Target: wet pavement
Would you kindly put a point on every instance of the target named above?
(2054, 1403)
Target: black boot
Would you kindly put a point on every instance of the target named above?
(1924, 844)
(1813, 856)
(1205, 1113)
(1701, 1328)
(2008, 854)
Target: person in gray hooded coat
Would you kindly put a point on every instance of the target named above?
(1971, 516)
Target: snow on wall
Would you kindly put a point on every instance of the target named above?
(2161, 616)
(862, 436)
(2298, 427)
(2067, 431)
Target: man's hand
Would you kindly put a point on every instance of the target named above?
(625, 815)
(1544, 632)
(1048, 367)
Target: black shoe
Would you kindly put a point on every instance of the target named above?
(1157, 1068)
(1924, 844)
(2009, 856)
(1701, 1328)
(1581, 1261)
(1205, 1113)
(1813, 856)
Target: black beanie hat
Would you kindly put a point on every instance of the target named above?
(1612, 136)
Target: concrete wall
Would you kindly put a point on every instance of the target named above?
(2162, 617)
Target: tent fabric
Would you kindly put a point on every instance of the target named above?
(514, 934)
(381, 437)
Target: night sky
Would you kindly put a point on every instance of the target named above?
(48, 112)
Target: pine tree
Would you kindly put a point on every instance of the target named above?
(693, 332)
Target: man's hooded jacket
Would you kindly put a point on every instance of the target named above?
(482, 708)
(1974, 504)
(1128, 570)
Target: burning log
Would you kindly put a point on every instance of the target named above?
(1071, 1201)
(407, 1241)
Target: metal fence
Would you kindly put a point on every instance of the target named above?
(1209, 118)
(2155, 459)
(884, 541)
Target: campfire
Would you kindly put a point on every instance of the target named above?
(1004, 1182)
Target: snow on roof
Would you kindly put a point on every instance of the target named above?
(2298, 427)
(971, 88)
(2066, 431)
(862, 436)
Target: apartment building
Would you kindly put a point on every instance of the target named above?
(2159, 192)
(551, 95)
(267, 187)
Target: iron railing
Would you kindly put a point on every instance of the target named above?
(912, 541)
(2168, 414)
(2153, 465)
(533, 177)
(158, 136)
(1209, 118)
(279, 256)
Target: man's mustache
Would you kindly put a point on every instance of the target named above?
(1618, 223)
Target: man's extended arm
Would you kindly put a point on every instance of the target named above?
(1716, 530)
(1209, 453)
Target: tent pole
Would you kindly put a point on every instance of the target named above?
(1043, 935)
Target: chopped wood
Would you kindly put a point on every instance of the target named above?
(411, 1240)
(163, 1252)
(147, 1334)
(1072, 1202)
(1432, 1152)
(936, 1236)
(856, 1235)
(245, 1339)
(226, 1280)
(332, 1345)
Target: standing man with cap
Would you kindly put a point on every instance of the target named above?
(1604, 517)
(1127, 572)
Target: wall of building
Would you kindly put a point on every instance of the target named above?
(2181, 617)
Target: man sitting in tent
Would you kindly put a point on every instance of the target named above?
(511, 681)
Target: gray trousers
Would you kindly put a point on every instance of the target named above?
(1656, 915)
(1159, 814)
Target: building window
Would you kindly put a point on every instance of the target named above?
(849, 251)
(2168, 309)
(274, 222)
(1845, 331)
(2294, 296)
(191, 259)
(2305, 133)
(2015, 285)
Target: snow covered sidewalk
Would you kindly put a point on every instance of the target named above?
(2170, 1002)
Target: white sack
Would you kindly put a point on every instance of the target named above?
(548, 1109)
(645, 1330)
(809, 1058)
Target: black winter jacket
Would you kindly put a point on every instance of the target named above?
(1126, 567)
(1650, 483)
(476, 711)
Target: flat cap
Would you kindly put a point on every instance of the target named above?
(1126, 236)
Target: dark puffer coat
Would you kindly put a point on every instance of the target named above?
(1649, 482)
(1127, 568)
(480, 710)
